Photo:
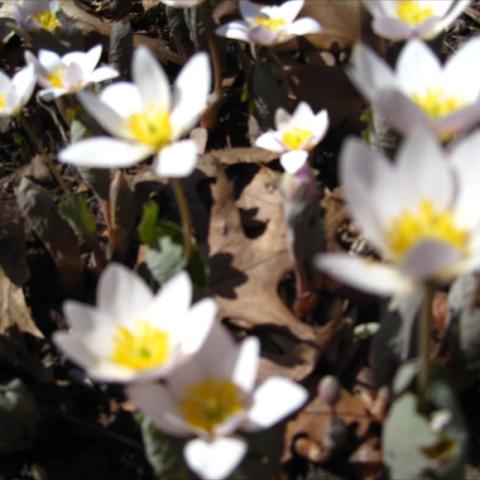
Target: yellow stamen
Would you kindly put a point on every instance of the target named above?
(436, 104)
(56, 77)
(3, 101)
(413, 227)
(140, 347)
(271, 24)
(151, 127)
(47, 20)
(296, 138)
(210, 402)
(412, 12)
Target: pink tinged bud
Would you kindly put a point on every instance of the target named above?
(329, 390)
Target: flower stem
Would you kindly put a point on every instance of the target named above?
(185, 217)
(424, 330)
(45, 156)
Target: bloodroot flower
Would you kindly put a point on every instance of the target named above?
(422, 93)
(147, 118)
(37, 14)
(212, 396)
(182, 3)
(68, 74)
(295, 135)
(266, 25)
(16, 92)
(133, 334)
(405, 19)
(421, 213)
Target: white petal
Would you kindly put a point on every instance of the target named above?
(48, 94)
(192, 87)
(236, 30)
(263, 36)
(269, 141)
(24, 83)
(463, 158)
(392, 28)
(73, 348)
(73, 79)
(320, 125)
(418, 68)
(105, 115)
(370, 73)
(101, 74)
(456, 11)
(199, 323)
(289, 10)
(122, 293)
(104, 152)
(246, 364)
(294, 160)
(303, 115)
(215, 459)
(428, 259)
(177, 160)
(275, 399)
(83, 318)
(459, 121)
(459, 77)
(367, 275)
(49, 60)
(156, 402)
(423, 172)
(304, 26)
(124, 98)
(283, 119)
(249, 10)
(150, 78)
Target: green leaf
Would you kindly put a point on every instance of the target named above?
(75, 210)
(165, 261)
(148, 229)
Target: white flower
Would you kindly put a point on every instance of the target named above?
(147, 118)
(295, 135)
(68, 74)
(269, 25)
(182, 3)
(212, 396)
(421, 213)
(37, 14)
(422, 93)
(133, 334)
(404, 19)
(16, 92)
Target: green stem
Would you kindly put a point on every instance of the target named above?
(424, 331)
(185, 217)
(45, 156)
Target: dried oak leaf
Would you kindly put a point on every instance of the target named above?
(246, 271)
(312, 422)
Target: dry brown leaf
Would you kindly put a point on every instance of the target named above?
(343, 22)
(233, 156)
(14, 312)
(246, 272)
(313, 420)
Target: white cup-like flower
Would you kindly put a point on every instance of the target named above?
(422, 93)
(295, 135)
(16, 92)
(269, 25)
(68, 74)
(37, 14)
(212, 396)
(405, 19)
(182, 3)
(421, 213)
(133, 334)
(147, 118)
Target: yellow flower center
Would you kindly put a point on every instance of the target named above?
(296, 138)
(3, 100)
(436, 104)
(56, 77)
(151, 127)
(412, 12)
(142, 347)
(210, 402)
(47, 20)
(271, 24)
(411, 228)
